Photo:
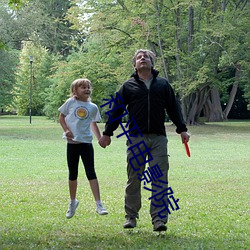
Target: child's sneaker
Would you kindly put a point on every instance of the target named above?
(101, 210)
(72, 208)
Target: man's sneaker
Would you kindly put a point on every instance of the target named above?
(159, 226)
(101, 210)
(72, 208)
(130, 223)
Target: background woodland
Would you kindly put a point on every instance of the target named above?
(202, 48)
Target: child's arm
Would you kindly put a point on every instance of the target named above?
(95, 129)
(62, 121)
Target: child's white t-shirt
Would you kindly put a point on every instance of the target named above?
(78, 116)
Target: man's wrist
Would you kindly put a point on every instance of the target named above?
(107, 134)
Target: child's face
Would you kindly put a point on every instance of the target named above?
(83, 92)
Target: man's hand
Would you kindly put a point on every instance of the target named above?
(185, 137)
(104, 141)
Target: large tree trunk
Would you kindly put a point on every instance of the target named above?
(193, 101)
(232, 93)
(196, 102)
(212, 109)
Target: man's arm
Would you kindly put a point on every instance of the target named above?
(116, 113)
(115, 116)
(173, 109)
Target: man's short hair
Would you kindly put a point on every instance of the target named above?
(148, 52)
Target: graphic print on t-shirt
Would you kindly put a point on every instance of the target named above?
(81, 113)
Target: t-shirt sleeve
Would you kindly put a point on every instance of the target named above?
(96, 116)
(64, 108)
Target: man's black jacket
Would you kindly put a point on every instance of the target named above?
(147, 107)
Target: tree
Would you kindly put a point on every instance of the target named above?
(8, 64)
(45, 19)
(192, 40)
(9, 60)
(188, 38)
(41, 65)
(91, 63)
(201, 47)
(17, 4)
(33, 22)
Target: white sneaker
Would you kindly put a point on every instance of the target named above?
(101, 210)
(72, 208)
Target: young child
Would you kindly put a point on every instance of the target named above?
(78, 116)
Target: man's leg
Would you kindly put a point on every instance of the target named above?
(160, 157)
(133, 187)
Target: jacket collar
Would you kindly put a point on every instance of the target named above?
(154, 73)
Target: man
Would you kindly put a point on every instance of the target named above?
(147, 98)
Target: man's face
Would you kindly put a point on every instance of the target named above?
(142, 61)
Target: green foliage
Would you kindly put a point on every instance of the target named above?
(246, 82)
(190, 56)
(32, 75)
(92, 65)
(57, 93)
(7, 78)
(44, 18)
(17, 4)
(6, 25)
(196, 44)
(114, 24)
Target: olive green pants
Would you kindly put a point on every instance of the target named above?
(138, 155)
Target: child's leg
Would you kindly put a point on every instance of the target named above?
(87, 155)
(73, 201)
(73, 161)
(88, 162)
(96, 192)
(72, 189)
(95, 189)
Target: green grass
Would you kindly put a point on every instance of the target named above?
(212, 185)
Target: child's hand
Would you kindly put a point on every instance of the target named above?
(69, 134)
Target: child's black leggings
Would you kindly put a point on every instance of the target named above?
(86, 151)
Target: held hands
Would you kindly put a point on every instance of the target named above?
(104, 141)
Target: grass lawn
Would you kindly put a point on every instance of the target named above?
(212, 185)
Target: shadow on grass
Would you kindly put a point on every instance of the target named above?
(129, 239)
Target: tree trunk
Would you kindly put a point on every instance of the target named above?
(213, 106)
(203, 95)
(160, 40)
(192, 112)
(178, 42)
(190, 28)
(196, 102)
(213, 109)
(232, 93)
